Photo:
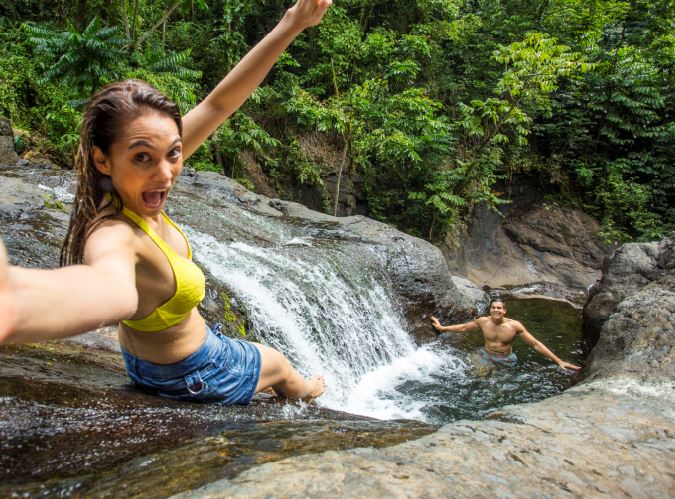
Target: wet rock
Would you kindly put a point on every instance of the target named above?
(529, 241)
(71, 423)
(631, 312)
(417, 270)
(552, 291)
(599, 441)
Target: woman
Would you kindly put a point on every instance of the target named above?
(128, 263)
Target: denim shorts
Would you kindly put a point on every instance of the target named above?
(222, 369)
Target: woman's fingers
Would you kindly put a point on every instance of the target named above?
(309, 12)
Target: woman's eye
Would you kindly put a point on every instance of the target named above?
(142, 157)
(174, 153)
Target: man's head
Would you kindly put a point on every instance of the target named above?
(497, 308)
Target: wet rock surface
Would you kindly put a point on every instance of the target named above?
(416, 268)
(549, 290)
(590, 442)
(34, 205)
(71, 424)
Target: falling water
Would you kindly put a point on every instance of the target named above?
(330, 312)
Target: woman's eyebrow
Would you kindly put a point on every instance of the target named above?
(145, 143)
(141, 142)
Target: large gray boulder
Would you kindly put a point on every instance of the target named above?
(630, 316)
(415, 268)
(528, 241)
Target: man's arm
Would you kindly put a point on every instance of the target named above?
(458, 328)
(240, 83)
(540, 347)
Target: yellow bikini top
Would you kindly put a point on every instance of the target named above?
(190, 282)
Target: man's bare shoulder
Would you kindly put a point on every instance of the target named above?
(517, 325)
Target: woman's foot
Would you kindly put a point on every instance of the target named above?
(317, 385)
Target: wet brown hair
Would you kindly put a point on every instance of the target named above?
(103, 120)
(497, 300)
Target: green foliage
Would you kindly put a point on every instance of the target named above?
(533, 68)
(51, 203)
(82, 61)
(305, 171)
(241, 133)
(434, 103)
(166, 71)
(16, 74)
(230, 316)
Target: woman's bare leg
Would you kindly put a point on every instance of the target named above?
(277, 372)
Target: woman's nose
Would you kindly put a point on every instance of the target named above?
(166, 170)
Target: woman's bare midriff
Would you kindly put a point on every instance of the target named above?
(168, 346)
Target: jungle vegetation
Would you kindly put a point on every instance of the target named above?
(434, 103)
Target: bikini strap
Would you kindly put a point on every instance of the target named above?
(143, 225)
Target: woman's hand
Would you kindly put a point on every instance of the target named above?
(8, 316)
(240, 83)
(306, 13)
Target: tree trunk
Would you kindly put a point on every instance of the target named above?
(158, 24)
(218, 156)
(80, 14)
(133, 21)
(125, 19)
(339, 179)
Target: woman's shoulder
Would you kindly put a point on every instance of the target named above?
(112, 230)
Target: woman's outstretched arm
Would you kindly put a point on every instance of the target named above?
(240, 83)
(40, 304)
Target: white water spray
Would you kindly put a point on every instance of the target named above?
(329, 312)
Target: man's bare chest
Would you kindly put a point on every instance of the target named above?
(503, 333)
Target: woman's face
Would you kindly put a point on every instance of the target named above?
(144, 162)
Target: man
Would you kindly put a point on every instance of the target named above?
(499, 334)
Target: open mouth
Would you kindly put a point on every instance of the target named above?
(154, 199)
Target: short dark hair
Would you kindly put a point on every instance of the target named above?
(494, 300)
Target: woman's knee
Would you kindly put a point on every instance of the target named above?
(275, 364)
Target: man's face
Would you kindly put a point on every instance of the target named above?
(497, 310)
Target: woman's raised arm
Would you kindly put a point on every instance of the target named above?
(40, 304)
(240, 83)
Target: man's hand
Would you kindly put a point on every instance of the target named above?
(567, 365)
(7, 303)
(436, 324)
(306, 13)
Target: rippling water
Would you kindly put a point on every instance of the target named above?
(441, 382)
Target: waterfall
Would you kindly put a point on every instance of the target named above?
(329, 311)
